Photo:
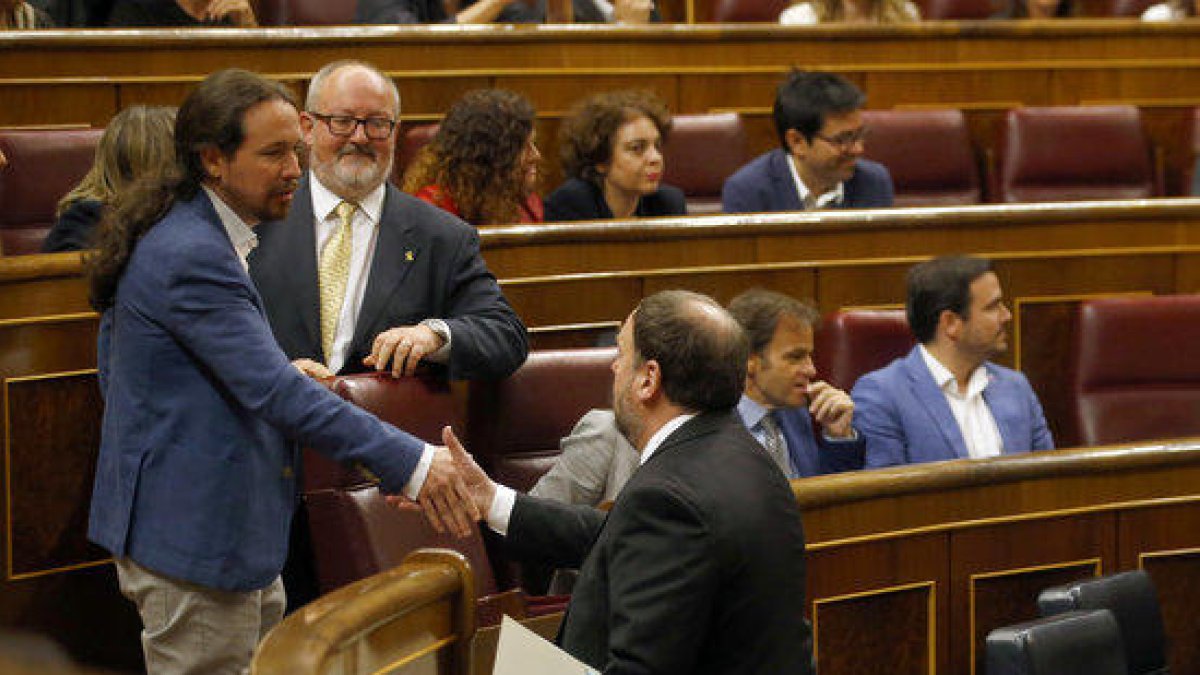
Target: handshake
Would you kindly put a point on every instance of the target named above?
(456, 493)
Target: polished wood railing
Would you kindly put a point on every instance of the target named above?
(982, 68)
(908, 568)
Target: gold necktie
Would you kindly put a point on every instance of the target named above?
(333, 272)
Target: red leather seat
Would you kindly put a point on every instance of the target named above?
(730, 11)
(419, 405)
(515, 425)
(700, 153)
(1136, 375)
(306, 12)
(1073, 153)
(1130, 8)
(43, 166)
(409, 142)
(929, 155)
(938, 10)
(851, 343)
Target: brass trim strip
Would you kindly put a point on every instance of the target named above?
(931, 613)
(1095, 562)
(47, 319)
(419, 654)
(1002, 520)
(1174, 553)
(55, 570)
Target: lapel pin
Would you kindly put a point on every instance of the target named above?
(408, 255)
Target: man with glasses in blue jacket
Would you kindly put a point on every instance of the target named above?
(819, 163)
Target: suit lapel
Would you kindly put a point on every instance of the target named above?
(298, 236)
(395, 252)
(926, 392)
(782, 183)
(1001, 402)
(796, 425)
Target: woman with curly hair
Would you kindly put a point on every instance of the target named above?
(850, 11)
(482, 165)
(138, 143)
(612, 153)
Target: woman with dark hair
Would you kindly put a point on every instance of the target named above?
(138, 142)
(612, 154)
(482, 165)
(182, 13)
(1036, 9)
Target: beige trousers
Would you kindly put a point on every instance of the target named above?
(190, 629)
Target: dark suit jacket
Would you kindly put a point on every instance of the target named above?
(75, 229)
(427, 266)
(196, 474)
(766, 185)
(579, 199)
(811, 452)
(906, 419)
(432, 11)
(699, 567)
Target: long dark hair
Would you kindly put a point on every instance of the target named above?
(211, 116)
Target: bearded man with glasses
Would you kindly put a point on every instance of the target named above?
(361, 276)
(819, 164)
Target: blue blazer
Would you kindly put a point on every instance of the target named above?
(906, 419)
(812, 453)
(196, 477)
(766, 184)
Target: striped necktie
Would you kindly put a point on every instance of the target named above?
(774, 443)
(333, 271)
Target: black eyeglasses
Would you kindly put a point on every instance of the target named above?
(846, 140)
(376, 128)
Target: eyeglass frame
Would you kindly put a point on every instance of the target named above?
(364, 122)
(858, 136)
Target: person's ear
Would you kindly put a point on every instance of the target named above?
(214, 162)
(648, 384)
(797, 144)
(753, 364)
(950, 324)
(307, 122)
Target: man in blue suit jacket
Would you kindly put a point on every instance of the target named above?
(814, 419)
(945, 400)
(819, 162)
(196, 478)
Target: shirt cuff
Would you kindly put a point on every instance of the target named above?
(501, 509)
(417, 480)
(442, 329)
(852, 438)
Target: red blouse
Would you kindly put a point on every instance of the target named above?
(531, 210)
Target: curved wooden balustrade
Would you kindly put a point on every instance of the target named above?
(908, 568)
(416, 618)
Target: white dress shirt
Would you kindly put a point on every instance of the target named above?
(365, 228)
(970, 410)
(832, 198)
(505, 498)
(240, 235)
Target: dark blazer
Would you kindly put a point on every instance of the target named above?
(579, 199)
(427, 266)
(766, 185)
(906, 419)
(811, 452)
(432, 11)
(699, 567)
(75, 229)
(196, 474)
